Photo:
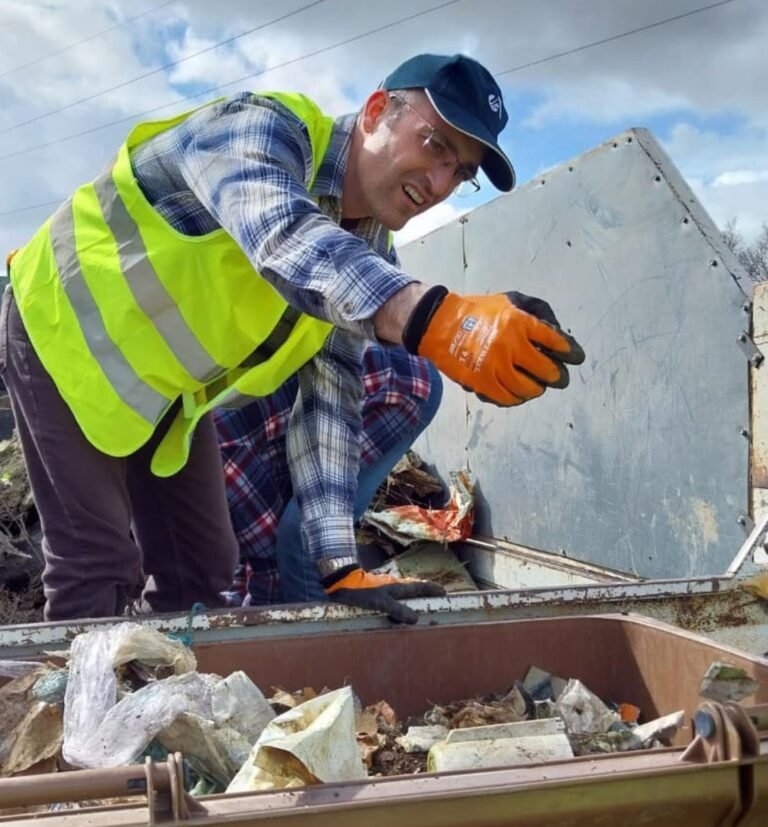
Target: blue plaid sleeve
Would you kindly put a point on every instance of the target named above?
(248, 161)
(323, 447)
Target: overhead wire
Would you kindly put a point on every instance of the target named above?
(125, 22)
(163, 68)
(220, 86)
(612, 38)
(347, 41)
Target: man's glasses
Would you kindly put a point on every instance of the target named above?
(443, 151)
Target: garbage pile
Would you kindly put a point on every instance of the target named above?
(129, 692)
(21, 593)
(403, 509)
(407, 529)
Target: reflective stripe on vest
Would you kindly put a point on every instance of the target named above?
(134, 392)
(127, 314)
(145, 284)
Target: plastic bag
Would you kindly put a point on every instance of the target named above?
(127, 728)
(215, 753)
(583, 711)
(95, 735)
(238, 703)
(314, 742)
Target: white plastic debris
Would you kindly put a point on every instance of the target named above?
(519, 729)
(126, 729)
(238, 703)
(99, 732)
(724, 682)
(152, 648)
(498, 752)
(661, 729)
(421, 738)
(583, 711)
(314, 742)
(215, 753)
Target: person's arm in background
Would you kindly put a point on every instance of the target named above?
(323, 450)
(323, 454)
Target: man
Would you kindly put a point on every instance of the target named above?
(401, 396)
(215, 258)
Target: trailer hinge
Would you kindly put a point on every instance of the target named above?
(724, 732)
(750, 349)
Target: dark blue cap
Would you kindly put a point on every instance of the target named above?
(467, 97)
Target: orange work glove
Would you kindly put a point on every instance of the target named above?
(507, 347)
(378, 592)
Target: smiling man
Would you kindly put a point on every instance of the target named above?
(222, 252)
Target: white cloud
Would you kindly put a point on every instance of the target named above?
(738, 177)
(743, 203)
(728, 172)
(705, 64)
(602, 100)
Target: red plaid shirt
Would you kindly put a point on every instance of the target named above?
(258, 483)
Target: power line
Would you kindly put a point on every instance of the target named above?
(335, 46)
(137, 115)
(155, 71)
(69, 46)
(32, 207)
(612, 38)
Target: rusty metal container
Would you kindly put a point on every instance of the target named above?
(650, 664)
(633, 659)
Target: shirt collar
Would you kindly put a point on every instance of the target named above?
(329, 180)
(329, 185)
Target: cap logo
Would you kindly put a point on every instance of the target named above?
(494, 101)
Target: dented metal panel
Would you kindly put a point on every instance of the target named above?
(641, 465)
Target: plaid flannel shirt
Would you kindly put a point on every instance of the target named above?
(244, 164)
(258, 481)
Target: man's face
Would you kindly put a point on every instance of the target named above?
(410, 158)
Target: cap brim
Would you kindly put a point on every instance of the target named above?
(495, 164)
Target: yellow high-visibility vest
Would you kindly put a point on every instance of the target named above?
(127, 314)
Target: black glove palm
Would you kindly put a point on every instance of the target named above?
(379, 592)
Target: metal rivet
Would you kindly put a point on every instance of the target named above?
(744, 432)
(568, 244)
(657, 178)
(713, 262)
(685, 221)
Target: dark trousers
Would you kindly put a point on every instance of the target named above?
(108, 522)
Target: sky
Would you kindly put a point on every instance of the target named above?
(76, 74)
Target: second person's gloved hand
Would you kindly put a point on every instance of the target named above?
(353, 586)
(506, 347)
